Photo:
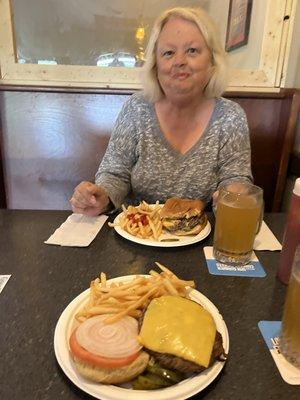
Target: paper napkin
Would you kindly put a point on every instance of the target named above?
(265, 239)
(3, 281)
(78, 230)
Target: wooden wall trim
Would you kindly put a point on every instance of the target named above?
(283, 93)
(64, 89)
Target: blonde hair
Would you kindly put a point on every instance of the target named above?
(218, 80)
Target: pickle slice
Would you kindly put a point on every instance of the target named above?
(149, 381)
(171, 376)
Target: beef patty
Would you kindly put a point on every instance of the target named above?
(188, 367)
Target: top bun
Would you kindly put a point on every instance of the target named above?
(181, 208)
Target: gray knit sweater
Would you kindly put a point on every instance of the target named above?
(140, 164)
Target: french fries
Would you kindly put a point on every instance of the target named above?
(143, 221)
(121, 299)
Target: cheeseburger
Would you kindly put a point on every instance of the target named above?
(176, 333)
(181, 335)
(183, 216)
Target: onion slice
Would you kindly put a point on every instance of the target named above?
(115, 340)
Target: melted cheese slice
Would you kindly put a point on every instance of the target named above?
(180, 327)
(170, 223)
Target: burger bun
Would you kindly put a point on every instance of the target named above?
(181, 208)
(114, 375)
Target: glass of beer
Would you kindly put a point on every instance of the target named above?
(239, 215)
(289, 342)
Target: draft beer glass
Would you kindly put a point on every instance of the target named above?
(289, 342)
(239, 214)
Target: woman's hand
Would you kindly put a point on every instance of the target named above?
(89, 199)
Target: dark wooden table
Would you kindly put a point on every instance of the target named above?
(46, 278)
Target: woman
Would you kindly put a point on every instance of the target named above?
(177, 137)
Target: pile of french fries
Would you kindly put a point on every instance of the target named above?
(143, 221)
(121, 299)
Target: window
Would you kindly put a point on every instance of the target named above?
(96, 43)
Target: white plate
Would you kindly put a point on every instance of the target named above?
(182, 240)
(181, 391)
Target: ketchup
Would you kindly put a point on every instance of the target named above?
(136, 218)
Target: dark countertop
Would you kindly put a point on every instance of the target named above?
(46, 278)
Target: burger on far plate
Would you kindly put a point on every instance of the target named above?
(183, 216)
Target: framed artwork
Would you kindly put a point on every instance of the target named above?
(238, 24)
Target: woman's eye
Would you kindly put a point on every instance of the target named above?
(192, 50)
(167, 53)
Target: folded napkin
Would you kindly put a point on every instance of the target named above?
(265, 239)
(78, 230)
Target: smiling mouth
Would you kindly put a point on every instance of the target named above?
(181, 76)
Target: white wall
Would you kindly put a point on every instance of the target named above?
(292, 79)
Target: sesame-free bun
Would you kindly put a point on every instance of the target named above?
(113, 375)
(181, 208)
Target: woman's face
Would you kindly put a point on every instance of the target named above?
(183, 59)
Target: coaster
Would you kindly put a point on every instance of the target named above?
(3, 281)
(253, 270)
(270, 331)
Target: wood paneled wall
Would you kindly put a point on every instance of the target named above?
(51, 140)
(272, 121)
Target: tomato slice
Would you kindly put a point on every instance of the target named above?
(93, 359)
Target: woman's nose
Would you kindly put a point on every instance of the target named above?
(179, 59)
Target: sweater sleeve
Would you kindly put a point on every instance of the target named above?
(114, 173)
(235, 154)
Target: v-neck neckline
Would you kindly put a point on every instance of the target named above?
(167, 144)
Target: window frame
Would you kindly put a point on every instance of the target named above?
(268, 77)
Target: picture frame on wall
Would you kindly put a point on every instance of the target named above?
(238, 24)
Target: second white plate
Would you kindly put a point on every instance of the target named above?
(180, 240)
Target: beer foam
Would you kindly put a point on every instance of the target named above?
(239, 201)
